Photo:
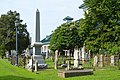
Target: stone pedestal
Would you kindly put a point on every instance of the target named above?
(37, 56)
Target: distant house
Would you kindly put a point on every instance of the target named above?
(45, 47)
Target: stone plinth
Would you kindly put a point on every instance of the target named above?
(72, 73)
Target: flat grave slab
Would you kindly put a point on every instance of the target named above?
(72, 73)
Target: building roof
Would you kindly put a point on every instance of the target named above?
(46, 40)
(68, 18)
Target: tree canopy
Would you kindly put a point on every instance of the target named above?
(102, 25)
(8, 32)
(99, 29)
(65, 36)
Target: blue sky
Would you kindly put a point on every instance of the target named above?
(52, 12)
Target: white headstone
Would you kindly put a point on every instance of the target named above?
(112, 62)
(56, 59)
(76, 57)
(95, 63)
(101, 61)
(84, 54)
(80, 55)
(36, 65)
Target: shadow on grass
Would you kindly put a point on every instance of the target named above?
(10, 77)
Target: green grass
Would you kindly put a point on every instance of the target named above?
(10, 72)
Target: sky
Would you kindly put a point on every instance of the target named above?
(52, 13)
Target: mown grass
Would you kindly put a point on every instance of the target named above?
(10, 72)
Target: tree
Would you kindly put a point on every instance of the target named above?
(65, 37)
(8, 31)
(102, 20)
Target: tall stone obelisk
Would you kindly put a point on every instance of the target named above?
(37, 45)
(37, 39)
(37, 56)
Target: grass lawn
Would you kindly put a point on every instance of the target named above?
(10, 72)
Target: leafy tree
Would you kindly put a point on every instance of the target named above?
(102, 24)
(8, 31)
(65, 37)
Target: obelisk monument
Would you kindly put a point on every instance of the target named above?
(37, 45)
(37, 36)
(37, 56)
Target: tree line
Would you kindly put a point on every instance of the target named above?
(99, 30)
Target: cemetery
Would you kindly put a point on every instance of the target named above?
(83, 49)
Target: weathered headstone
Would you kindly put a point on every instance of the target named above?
(47, 55)
(112, 61)
(68, 65)
(36, 65)
(69, 60)
(95, 63)
(66, 51)
(76, 57)
(56, 59)
(101, 61)
(83, 53)
(80, 55)
(89, 55)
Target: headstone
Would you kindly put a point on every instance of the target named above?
(36, 65)
(95, 63)
(68, 65)
(84, 54)
(101, 61)
(80, 55)
(89, 55)
(76, 57)
(65, 52)
(47, 54)
(112, 61)
(56, 59)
